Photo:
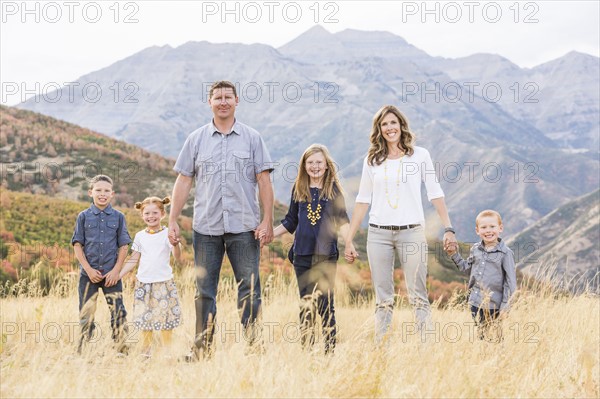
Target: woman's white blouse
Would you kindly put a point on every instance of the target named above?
(402, 204)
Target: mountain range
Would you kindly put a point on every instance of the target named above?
(522, 141)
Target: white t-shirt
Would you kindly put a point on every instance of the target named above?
(403, 183)
(155, 252)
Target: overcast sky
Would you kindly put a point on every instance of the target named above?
(44, 42)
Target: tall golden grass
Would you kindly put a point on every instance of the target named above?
(551, 348)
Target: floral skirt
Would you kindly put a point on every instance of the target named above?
(156, 306)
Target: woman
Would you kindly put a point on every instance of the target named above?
(391, 183)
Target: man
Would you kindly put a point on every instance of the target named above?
(229, 161)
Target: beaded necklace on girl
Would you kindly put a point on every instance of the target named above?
(315, 215)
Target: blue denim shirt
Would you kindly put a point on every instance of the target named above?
(493, 277)
(101, 233)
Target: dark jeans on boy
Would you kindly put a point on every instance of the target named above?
(486, 321)
(316, 281)
(88, 299)
(243, 251)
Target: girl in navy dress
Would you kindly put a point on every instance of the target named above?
(317, 211)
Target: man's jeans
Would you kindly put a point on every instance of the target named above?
(243, 251)
(88, 299)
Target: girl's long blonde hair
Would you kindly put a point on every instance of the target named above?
(331, 183)
(378, 151)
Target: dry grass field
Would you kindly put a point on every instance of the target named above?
(550, 349)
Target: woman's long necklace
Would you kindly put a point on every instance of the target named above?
(315, 215)
(385, 177)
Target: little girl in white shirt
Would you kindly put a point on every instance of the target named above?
(156, 302)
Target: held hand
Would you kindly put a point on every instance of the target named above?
(174, 238)
(450, 242)
(350, 253)
(261, 236)
(450, 250)
(112, 278)
(94, 275)
(264, 233)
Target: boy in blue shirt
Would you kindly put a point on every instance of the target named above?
(493, 279)
(101, 242)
